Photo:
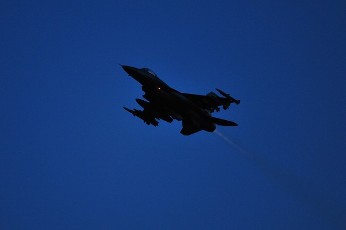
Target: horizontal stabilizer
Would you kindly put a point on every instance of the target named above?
(189, 128)
(223, 122)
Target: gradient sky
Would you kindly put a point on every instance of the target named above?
(72, 158)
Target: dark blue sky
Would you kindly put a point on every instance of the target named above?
(72, 158)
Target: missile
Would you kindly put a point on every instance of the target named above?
(159, 113)
(130, 111)
(142, 103)
(145, 117)
(228, 96)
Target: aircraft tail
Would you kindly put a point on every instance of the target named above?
(223, 122)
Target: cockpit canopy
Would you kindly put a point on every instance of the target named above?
(150, 71)
(151, 74)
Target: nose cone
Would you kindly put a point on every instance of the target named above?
(136, 74)
(129, 69)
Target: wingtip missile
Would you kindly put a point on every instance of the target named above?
(228, 96)
(129, 110)
(145, 117)
(222, 92)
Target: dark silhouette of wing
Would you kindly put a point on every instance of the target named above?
(212, 101)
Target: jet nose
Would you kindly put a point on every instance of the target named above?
(129, 69)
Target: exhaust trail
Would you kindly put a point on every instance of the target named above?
(232, 143)
(302, 191)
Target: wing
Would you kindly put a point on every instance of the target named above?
(151, 112)
(212, 101)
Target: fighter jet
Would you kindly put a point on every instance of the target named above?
(168, 104)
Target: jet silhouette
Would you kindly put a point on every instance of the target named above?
(168, 104)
